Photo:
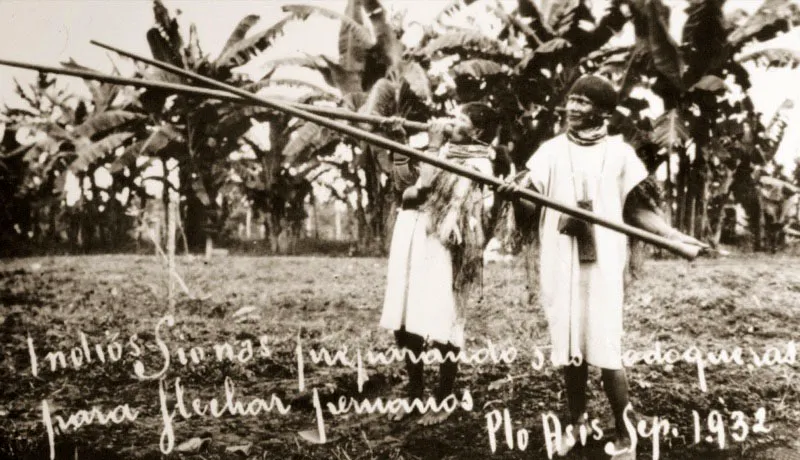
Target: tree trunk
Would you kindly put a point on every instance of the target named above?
(248, 220)
(337, 225)
(52, 214)
(700, 198)
(156, 236)
(172, 211)
(209, 247)
(682, 182)
(315, 218)
(165, 200)
(363, 235)
(690, 214)
(375, 203)
(274, 232)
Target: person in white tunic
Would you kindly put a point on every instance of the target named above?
(582, 265)
(436, 251)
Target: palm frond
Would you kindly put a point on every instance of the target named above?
(478, 68)
(301, 61)
(286, 82)
(773, 17)
(193, 51)
(670, 131)
(352, 51)
(665, 53)
(106, 121)
(164, 37)
(307, 141)
(245, 49)
(159, 140)
(86, 154)
(467, 43)
(382, 99)
(711, 84)
(705, 38)
(772, 58)
(128, 158)
(411, 74)
(240, 31)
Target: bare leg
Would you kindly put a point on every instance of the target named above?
(448, 370)
(416, 384)
(575, 379)
(615, 385)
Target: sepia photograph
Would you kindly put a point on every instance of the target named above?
(399, 229)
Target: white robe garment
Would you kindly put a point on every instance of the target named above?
(419, 288)
(583, 301)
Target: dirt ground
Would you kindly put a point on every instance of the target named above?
(275, 303)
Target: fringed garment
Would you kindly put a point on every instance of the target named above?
(436, 253)
(462, 213)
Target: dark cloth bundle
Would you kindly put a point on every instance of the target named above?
(582, 231)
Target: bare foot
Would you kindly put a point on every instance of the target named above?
(402, 414)
(434, 418)
(565, 446)
(621, 450)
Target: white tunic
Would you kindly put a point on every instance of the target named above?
(583, 301)
(419, 287)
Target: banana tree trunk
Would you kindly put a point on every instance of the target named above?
(248, 223)
(165, 200)
(669, 191)
(209, 250)
(701, 172)
(363, 235)
(52, 214)
(681, 182)
(375, 204)
(193, 213)
(337, 223)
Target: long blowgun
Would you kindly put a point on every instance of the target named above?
(679, 248)
(682, 249)
(213, 94)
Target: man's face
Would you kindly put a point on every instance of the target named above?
(582, 113)
(463, 130)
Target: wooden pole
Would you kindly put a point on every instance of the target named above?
(684, 250)
(216, 94)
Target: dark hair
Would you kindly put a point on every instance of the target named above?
(598, 89)
(484, 118)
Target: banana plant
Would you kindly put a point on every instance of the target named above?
(371, 66)
(694, 79)
(62, 138)
(201, 135)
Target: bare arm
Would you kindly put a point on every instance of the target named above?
(525, 212)
(642, 211)
(427, 173)
(647, 219)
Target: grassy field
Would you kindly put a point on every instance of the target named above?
(115, 302)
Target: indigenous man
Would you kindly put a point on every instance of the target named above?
(437, 248)
(581, 265)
